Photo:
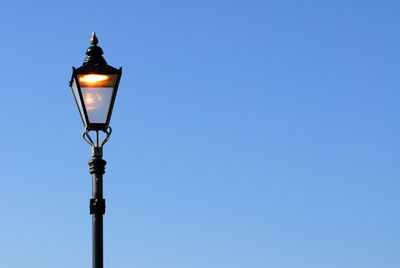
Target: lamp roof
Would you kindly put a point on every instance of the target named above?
(94, 62)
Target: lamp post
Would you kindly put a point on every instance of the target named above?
(94, 86)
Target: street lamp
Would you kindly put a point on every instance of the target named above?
(94, 86)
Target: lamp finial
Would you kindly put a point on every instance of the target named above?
(94, 41)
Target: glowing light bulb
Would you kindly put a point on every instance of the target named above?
(93, 78)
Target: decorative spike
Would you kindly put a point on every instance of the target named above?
(94, 53)
(94, 39)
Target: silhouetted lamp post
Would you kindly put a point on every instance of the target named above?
(94, 86)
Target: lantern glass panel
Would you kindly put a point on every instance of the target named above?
(97, 91)
(78, 100)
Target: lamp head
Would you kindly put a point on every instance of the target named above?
(94, 86)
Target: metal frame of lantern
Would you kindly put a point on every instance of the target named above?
(100, 70)
(85, 118)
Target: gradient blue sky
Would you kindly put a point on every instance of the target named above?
(247, 134)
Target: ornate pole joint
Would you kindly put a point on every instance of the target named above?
(97, 166)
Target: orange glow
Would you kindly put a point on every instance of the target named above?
(93, 78)
(93, 100)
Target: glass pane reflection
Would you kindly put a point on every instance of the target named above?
(97, 102)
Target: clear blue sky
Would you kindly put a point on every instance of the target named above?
(247, 134)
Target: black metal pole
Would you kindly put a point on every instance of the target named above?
(97, 205)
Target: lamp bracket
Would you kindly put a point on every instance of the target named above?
(95, 144)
